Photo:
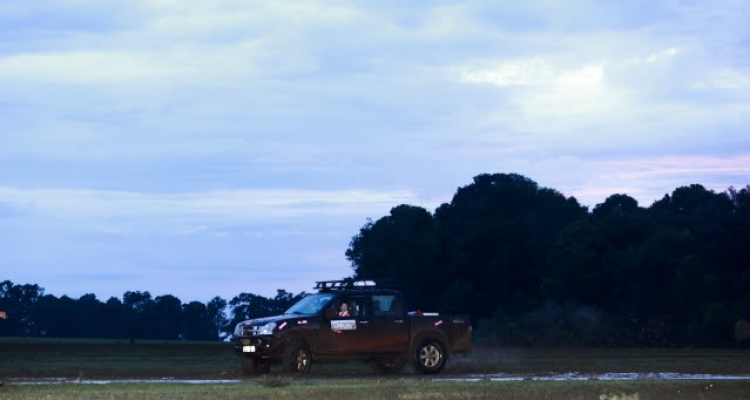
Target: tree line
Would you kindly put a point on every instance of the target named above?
(533, 267)
(29, 312)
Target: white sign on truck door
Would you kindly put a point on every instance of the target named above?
(344, 325)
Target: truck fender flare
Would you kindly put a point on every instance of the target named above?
(303, 335)
(435, 334)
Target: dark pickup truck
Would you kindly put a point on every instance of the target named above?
(352, 320)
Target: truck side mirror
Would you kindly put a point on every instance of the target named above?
(330, 313)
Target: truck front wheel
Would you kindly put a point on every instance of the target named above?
(429, 356)
(297, 358)
(252, 366)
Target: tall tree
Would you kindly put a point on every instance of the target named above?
(18, 302)
(216, 316)
(496, 236)
(139, 322)
(166, 318)
(196, 324)
(403, 246)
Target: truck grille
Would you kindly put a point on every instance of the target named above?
(250, 330)
(258, 342)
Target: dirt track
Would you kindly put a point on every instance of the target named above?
(438, 378)
(104, 361)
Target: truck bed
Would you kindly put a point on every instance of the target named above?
(456, 328)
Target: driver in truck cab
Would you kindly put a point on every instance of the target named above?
(343, 313)
(344, 310)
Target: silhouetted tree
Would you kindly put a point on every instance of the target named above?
(404, 246)
(166, 318)
(250, 306)
(196, 323)
(18, 301)
(216, 316)
(546, 272)
(117, 317)
(138, 318)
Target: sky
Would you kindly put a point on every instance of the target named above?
(203, 148)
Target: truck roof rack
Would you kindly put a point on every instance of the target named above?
(355, 285)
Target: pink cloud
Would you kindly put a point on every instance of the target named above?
(682, 165)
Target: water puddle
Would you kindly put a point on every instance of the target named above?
(575, 376)
(64, 381)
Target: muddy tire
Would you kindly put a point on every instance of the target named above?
(297, 358)
(429, 356)
(392, 366)
(252, 366)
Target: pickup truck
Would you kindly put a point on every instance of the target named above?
(351, 320)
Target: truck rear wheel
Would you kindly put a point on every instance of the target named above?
(429, 356)
(392, 366)
(252, 366)
(297, 358)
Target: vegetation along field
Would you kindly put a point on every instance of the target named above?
(285, 388)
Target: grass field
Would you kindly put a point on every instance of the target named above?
(285, 388)
(96, 359)
(115, 359)
(120, 359)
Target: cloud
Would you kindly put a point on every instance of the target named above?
(662, 54)
(528, 72)
(737, 165)
(125, 121)
(592, 195)
(650, 178)
(242, 203)
(120, 67)
(726, 79)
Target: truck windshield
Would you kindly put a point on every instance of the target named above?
(310, 304)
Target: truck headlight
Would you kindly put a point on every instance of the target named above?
(267, 329)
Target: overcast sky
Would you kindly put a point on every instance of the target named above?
(205, 148)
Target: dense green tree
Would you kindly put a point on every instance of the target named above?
(546, 272)
(496, 235)
(196, 324)
(216, 316)
(737, 256)
(577, 252)
(117, 317)
(166, 318)
(138, 318)
(18, 302)
(403, 246)
(66, 317)
(617, 204)
(250, 306)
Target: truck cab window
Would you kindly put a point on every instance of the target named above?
(386, 305)
(349, 307)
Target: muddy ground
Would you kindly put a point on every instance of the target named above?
(156, 360)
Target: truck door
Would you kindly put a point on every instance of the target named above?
(390, 327)
(349, 331)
